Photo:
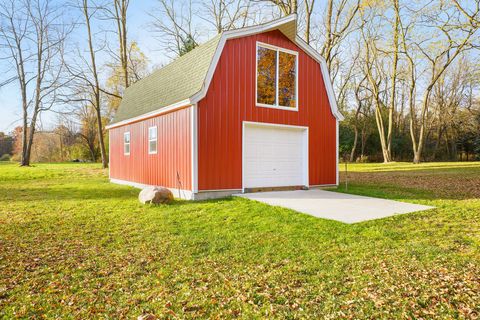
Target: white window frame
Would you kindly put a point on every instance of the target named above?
(125, 134)
(278, 50)
(151, 140)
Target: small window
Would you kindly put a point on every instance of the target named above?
(276, 77)
(152, 140)
(126, 143)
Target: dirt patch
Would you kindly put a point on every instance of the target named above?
(455, 186)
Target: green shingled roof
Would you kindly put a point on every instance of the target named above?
(175, 82)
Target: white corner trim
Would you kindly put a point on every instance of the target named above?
(336, 151)
(326, 76)
(109, 153)
(169, 108)
(177, 193)
(194, 144)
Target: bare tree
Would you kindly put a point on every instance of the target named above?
(458, 36)
(32, 36)
(121, 7)
(473, 15)
(88, 128)
(225, 15)
(117, 12)
(375, 72)
(309, 5)
(338, 20)
(174, 25)
(96, 82)
(85, 87)
(286, 6)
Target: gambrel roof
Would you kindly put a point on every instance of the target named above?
(175, 82)
(185, 81)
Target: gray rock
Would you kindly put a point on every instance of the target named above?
(155, 195)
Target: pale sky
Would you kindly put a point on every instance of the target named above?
(138, 30)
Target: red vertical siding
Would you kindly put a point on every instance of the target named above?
(173, 152)
(230, 100)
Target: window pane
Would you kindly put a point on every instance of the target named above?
(152, 133)
(126, 137)
(286, 79)
(127, 148)
(266, 75)
(152, 146)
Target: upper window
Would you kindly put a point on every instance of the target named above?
(152, 140)
(276, 77)
(126, 143)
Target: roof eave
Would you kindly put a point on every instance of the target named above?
(174, 106)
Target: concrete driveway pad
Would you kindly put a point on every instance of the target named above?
(342, 207)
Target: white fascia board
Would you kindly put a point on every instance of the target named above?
(263, 28)
(232, 34)
(238, 33)
(272, 25)
(326, 76)
(169, 108)
(194, 145)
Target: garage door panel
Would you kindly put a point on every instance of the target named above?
(274, 156)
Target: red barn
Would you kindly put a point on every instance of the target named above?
(251, 108)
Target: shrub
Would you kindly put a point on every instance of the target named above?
(5, 157)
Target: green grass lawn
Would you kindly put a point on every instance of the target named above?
(72, 245)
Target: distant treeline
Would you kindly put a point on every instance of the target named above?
(406, 74)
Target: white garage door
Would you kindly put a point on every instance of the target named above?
(274, 156)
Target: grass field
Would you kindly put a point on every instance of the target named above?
(72, 245)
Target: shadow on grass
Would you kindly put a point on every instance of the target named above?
(65, 192)
(85, 191)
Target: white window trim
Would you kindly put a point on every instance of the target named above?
(125, 143)
(277, 49)
(150, 140)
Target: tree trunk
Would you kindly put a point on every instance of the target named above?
(25, 161)
(391, 109)
(421, 138)
(92, 152)
(363, 141)
(121, 7)
(96, 88)
(308, 18)
(327, 48)
(352, 153)
(307, 28)
(381, 133)
(101, 140)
